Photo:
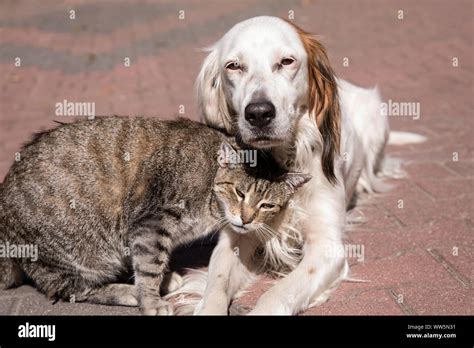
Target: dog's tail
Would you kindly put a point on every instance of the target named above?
(405, 138)
(373, 177)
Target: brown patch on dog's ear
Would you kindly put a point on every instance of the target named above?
(323, 99)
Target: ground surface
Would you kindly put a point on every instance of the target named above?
(418, 259)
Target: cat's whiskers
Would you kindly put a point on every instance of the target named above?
(259, 234)
(270, 230)
(296, 235)
(217, 230)
(262, 234)
(218, 225)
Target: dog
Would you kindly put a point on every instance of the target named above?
(270, 83)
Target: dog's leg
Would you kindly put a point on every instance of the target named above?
(230, 270)
(315, 274)
(323, 264)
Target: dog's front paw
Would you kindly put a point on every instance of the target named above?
(172, 282)
(269, 305)
(198, 308)
(157, 307)
(210, 309)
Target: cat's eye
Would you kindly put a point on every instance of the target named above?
(239, 193)
(267, 206)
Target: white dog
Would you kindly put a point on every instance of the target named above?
(270, 83)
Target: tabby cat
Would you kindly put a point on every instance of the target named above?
(110, 197)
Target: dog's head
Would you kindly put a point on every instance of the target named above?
(261, 77)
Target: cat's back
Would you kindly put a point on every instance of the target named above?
(104, 148)
(90, 165)
(116, 141)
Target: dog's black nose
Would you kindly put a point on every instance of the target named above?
(260, 114)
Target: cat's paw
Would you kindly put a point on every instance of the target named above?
(159, 307)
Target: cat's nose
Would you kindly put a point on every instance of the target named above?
(246, 220)
(247, 217)
(247, 214)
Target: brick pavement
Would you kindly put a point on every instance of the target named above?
(418, 259)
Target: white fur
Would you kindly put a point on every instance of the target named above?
(404, 138)
(310, 233)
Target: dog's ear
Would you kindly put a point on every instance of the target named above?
(324, 103)
(210, 93)
(323, 100)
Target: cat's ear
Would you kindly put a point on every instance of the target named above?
(295, 180)
(225, 154)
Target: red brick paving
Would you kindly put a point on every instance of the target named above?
(409, 59)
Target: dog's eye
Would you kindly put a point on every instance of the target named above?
(287, 61)
(267, 206)
(233, 66)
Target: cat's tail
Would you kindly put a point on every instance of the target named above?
(187, 298)
(10, 274)
(4, 276)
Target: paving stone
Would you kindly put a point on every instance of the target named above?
(439, 300)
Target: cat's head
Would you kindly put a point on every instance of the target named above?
(251, 197)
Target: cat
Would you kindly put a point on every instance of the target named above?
(107, 198)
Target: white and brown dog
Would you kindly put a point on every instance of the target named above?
(270, 83)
